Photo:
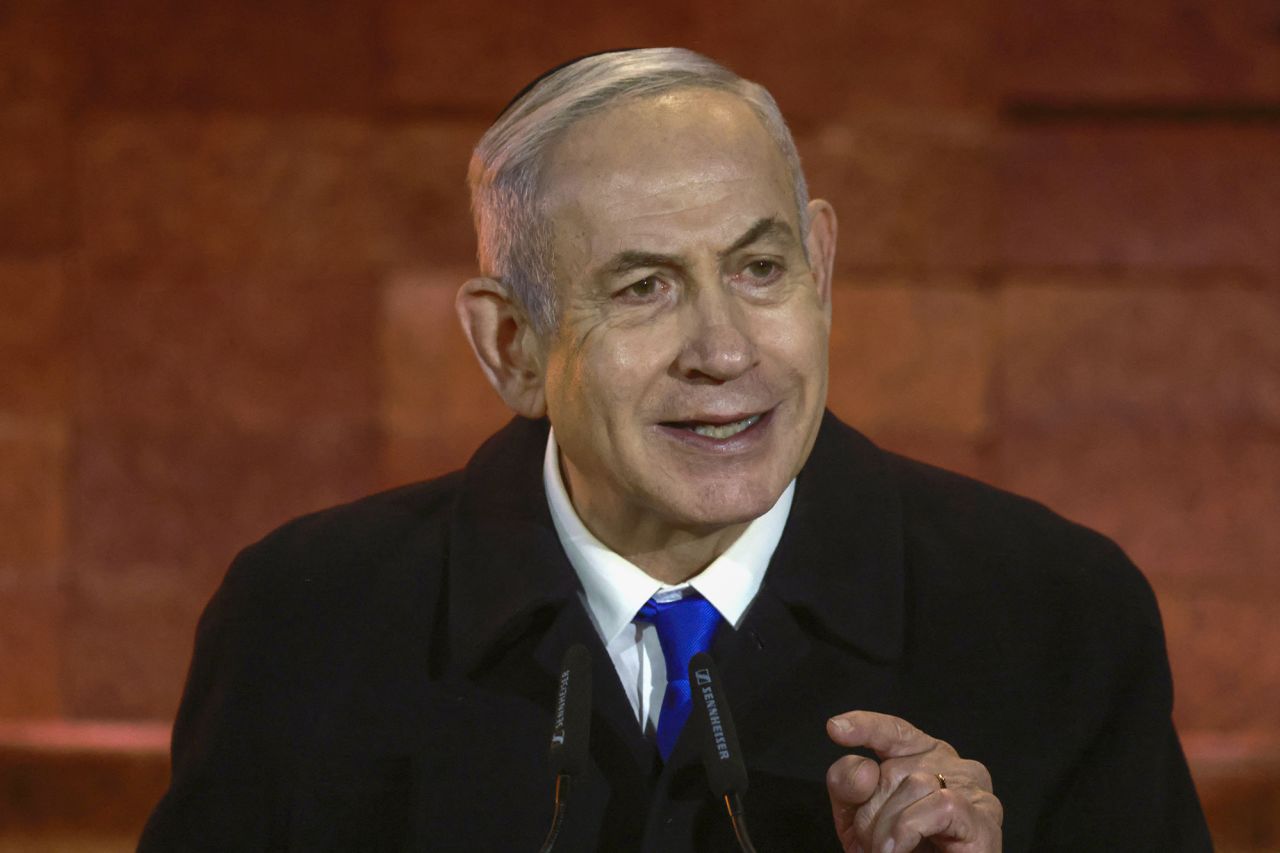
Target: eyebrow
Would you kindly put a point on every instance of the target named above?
(766, 227)
(628, 260)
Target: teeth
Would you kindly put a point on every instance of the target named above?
(725, 430)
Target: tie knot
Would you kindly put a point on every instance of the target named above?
(685, 627)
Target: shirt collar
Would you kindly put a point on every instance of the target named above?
(840, 560)
(615, 588)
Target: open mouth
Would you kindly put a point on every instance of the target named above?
(717, 431)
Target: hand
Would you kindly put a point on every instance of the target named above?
(899, 803)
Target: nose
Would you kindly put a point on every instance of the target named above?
(718, 345)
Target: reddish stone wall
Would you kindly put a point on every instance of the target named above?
(230, 233)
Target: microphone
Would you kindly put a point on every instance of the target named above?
(570, 732)
(721, 755)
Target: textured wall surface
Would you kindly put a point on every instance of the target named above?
(230, 233)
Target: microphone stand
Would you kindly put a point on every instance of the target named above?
(737, 819)
(557, 818)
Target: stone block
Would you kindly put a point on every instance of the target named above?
(35, 362)
(38, 61)
(283, 54)
(474, 57)
(88, 802)
(823, 59)
(911, 358)
(437, 406)
(1141, 51)
(1225, 651)
(190, 496)
(909, 162)
(1154, 197)
(1237, 776)
(35, 209)
(236, 195)
(78, 787)
(31, 648)
(910, 193)
(1087, 353)
(420, 177)
(138, 673)
(1183, 506)
(227, 193)
(33, 469)
(255, 352)
(819, 57)
(32, 303)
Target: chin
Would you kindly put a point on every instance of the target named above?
(724, 504)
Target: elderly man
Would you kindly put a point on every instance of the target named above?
(915, 661)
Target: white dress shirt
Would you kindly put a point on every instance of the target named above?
(615, 588)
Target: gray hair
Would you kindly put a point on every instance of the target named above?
(513, 238)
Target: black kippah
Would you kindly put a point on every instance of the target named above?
(545, 74)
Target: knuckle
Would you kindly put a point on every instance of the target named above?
(977, 774)
(847, 778)
(892, 774)
(905, 834)
(907, 773)
(864, 822)
(920, 782)
(992, 805)
(950, 803)
(903, 730)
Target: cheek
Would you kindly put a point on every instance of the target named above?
(623, 368)
(599, 385)
(797, 341)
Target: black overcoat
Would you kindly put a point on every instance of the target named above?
(380, 676)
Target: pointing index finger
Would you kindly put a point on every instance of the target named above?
(887, 736)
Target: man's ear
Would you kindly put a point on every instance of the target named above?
(821, 245)
(505, 344)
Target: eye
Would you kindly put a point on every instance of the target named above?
(646, 288)
(760, 272)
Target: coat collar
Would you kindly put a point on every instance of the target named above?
(840, 557)
(505, 560)
(841, 554)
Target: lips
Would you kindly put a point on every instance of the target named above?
(728, 430)
(718, 428)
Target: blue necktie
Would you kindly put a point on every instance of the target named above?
(685, 626)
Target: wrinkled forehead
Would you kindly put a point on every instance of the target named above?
(660, 150)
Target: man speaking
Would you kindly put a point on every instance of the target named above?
(914, 661)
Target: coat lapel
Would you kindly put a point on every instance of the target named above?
(506, 567)
(840, 559)
(515, 608)
(836, 579)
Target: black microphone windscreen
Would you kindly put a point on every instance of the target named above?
(726, 771)
(571, 728)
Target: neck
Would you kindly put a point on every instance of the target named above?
(680, 557)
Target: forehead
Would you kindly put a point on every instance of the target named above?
(695, 159)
